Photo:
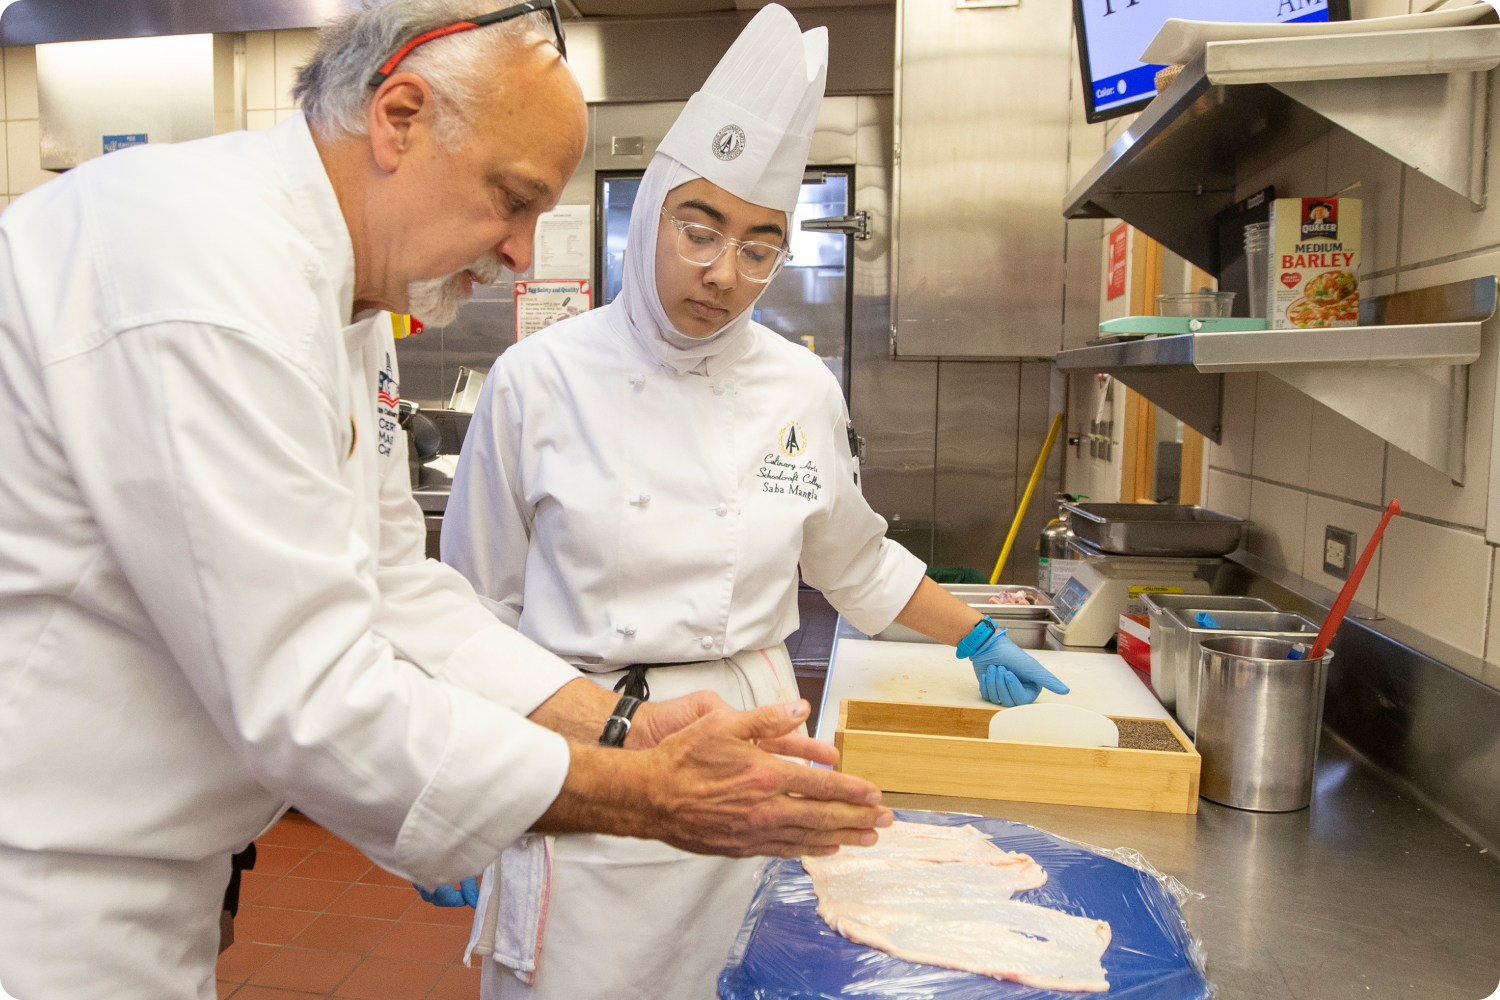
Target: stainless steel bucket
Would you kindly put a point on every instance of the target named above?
(1164, 634)
(1259, 719)
(1188, 634)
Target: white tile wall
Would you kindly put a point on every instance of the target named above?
(1438, 222)
(1303, 174)
(1422, 489)
(21, 162)
(23, 153)
(1283, 420)
(1437, 580)
(1351, 159)
(1490, 671)
(1279, 532)
(20, 82)
(260, 70)
(1227, 494)
(293, 50)
(1236, 447)
(1322, 512)
(272, 59)
(1345, 459)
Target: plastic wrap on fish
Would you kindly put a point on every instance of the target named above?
(785, 951)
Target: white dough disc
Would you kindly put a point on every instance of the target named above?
(1065, 725)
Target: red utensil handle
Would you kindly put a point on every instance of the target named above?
(1341, 606)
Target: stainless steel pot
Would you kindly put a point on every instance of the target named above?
(1259, 719)
(1184, 646)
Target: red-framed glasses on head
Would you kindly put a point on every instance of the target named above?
(508, 14)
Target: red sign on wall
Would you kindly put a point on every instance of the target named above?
(1118, 251)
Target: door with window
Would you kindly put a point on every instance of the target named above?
(808, 302)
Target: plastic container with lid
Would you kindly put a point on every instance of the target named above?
(1203, 302)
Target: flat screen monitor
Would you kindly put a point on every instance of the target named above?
(1112, 34)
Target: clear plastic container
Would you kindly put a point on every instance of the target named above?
(1258, 265)
(1200, 303)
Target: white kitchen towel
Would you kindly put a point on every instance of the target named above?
(511, 914)
(510, 917)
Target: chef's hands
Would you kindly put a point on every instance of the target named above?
(713, 788)
(467, 894)
(1010, 676)
(663, 718)
(719, 792)
(656, 720)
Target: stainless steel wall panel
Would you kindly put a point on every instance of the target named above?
(982, 135)
(1043, 392)
(162, 88)
(893, 404)
(978, 423)
(667, 58)
(650, 121)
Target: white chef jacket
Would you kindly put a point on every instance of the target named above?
(213, 595)
(620, 513)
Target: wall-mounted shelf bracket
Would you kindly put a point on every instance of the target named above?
(1421, 96)
(1402, 374)
(1406, 384)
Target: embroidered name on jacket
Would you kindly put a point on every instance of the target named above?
(798, 479)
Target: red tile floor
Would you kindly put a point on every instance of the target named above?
(318, 919)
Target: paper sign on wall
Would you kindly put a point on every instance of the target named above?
(564, 243)
(1119, 251)
(539, 304)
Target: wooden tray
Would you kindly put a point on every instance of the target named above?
(946, 750)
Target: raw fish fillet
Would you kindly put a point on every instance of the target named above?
(1010, 597)
(925, 842)
(941, 896)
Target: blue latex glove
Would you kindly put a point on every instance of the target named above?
(1205, 620)
(467, 894)
(1010, 676)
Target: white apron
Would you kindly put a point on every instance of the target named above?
(96, 927)
(691, 906)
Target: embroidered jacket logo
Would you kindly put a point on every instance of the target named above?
(792, 440)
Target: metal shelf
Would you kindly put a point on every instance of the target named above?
(1404, 381)
(1421, 96)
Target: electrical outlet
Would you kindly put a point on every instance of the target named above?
(1338, 551)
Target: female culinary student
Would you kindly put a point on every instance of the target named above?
(637, 490)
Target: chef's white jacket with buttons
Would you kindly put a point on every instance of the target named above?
(618, 512)
(213, 591)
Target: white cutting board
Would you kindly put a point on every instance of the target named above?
(932, 674)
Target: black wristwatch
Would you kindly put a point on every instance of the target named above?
(617, 726)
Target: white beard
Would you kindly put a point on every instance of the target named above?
(435, 301)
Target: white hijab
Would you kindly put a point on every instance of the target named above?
(638, 308)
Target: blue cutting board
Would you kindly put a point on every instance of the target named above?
(786, 952)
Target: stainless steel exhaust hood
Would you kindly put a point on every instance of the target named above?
(33, 22)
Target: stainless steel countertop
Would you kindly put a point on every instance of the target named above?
(1364, 894)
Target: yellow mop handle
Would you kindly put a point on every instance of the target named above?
(1036, 475)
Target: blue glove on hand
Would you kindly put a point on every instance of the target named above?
(467, 894)
(1010, 676)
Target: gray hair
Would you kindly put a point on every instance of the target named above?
(333, 88)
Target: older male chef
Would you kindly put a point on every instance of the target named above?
(212, 593)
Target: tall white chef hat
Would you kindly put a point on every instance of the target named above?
(750, 127)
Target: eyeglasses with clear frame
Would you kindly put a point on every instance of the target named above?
(701, 245)
(495, 17)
